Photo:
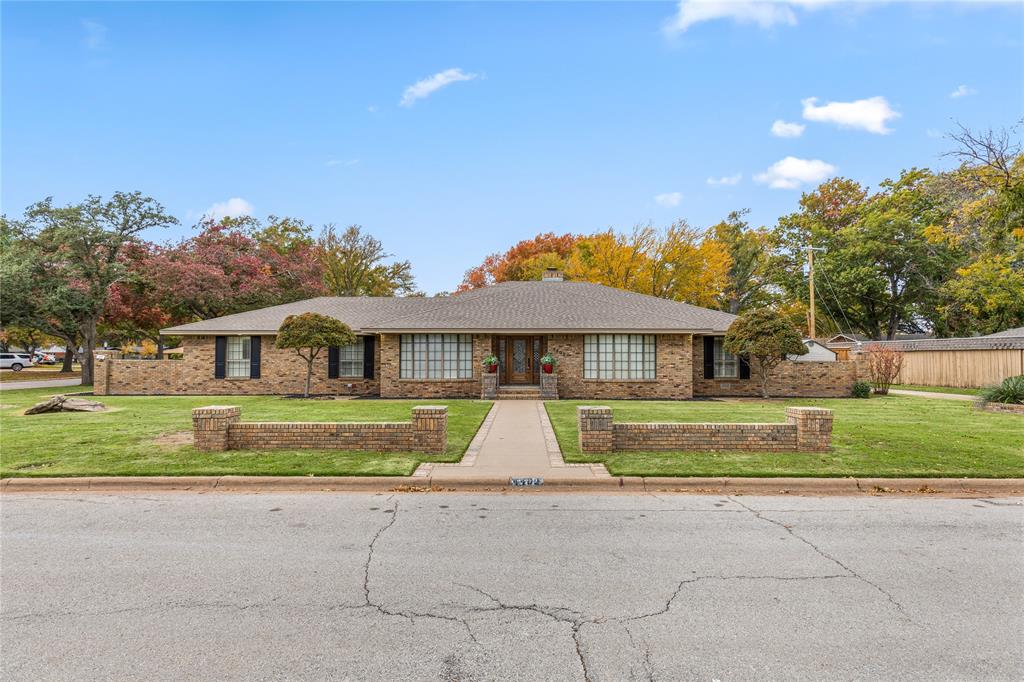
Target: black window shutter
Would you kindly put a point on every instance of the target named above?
(368, 356)
(254, 357)
(220, 354)
(333, 359)
(709, 357)
(744, 368)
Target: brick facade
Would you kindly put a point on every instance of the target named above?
(807, 429)
(672, 371)
(217, 428)
(393, 386)
(679, 372)
(789, 380)
(282, 372)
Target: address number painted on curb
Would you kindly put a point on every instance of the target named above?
(519, 482)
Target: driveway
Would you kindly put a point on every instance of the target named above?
(519, 586)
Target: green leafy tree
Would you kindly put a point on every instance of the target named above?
(749, 253)
(309, 334)
(767, 337)
(81, 246)
(354, 265)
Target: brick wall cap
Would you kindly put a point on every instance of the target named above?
(593, 408)
(216, 410)
(430, 409)
(811, 411)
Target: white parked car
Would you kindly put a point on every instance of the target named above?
(15, 361)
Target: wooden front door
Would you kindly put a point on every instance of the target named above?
(517, 357)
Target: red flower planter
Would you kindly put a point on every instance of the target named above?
(548, 368)
(492, 369)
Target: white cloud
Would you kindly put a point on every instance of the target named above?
(763, 13)
(233, 208)
(865, 114)
(726, 180)
(791, 172)
(372, 108)
(962, 91)
(95, 34)
(431, 84)
(784, 129)
(668, 199)
(342, 162)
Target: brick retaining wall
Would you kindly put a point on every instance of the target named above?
(218, 428)
(807, 429)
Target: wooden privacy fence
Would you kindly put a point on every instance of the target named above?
(960, 368)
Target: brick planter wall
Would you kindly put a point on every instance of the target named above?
(548, 386)
(218, 428)
(807, 429)
(790, 379)
(282, 372)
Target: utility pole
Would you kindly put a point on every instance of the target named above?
(810, 279)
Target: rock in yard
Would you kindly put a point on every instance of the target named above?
(60, 403)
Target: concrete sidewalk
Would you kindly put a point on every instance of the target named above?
(932, 394)
(515, 441)
(41, 383)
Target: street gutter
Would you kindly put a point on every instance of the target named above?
(916, 487)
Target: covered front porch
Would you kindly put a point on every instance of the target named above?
(519, 373)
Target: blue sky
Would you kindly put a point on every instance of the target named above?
(453, 130)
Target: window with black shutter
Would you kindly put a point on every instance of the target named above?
(709, 357)
(333, 355)
(368, 356)
(254, 357)
(220, 354)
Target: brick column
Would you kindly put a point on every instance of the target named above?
(813, 428)
(430, 427)
(548, 386)
(488, 386)
(101, 376)
(210, 426)
(595, 428)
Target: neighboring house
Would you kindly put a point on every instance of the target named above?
(816, 352)
(609, 344)
(968, 362)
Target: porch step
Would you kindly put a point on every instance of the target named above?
(519, 393)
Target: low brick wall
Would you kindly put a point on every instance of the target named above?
(1004, 408)
(217, 428)
(807, 429)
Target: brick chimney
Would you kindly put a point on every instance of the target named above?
(552, 275)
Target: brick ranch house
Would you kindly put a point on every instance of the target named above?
(609, 344)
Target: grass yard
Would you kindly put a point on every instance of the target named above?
(892, 436)
(938, 389)
(137, 437)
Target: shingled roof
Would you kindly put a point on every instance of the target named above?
(537, 307)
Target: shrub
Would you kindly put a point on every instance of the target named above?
(766, 336)
(1010, 391)
(884, 365)
(862, 389)
(309, 334)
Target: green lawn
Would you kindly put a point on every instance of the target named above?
(121, 442)
(884, 436)
(938, 389)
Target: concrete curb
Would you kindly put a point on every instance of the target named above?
(961, 487)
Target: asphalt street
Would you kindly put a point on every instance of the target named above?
(525, 586)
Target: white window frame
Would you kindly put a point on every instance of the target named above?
(238, 357)
(727, 365)
(620, 357)
(435, 357)
(351, 359)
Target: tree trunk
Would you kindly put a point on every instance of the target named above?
(88, 351)
(159, 348)
(309, 376)
(764, 381)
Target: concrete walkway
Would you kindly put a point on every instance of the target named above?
(516, 440)
(932, 394)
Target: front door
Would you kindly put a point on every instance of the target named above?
(517, 358)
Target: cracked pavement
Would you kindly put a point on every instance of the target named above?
(525, 586)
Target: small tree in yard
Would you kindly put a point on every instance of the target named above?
(309, 334)
(764, 335)
(884, 365)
